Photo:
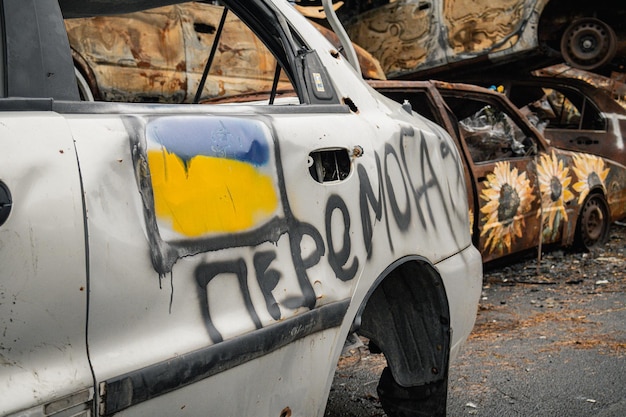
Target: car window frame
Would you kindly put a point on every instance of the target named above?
(583, 108)
(298, 59)
(503, 105)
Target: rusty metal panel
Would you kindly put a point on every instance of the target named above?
(159, 55)
(139, 53)
(408, 36)
(481, 25)
(401, 35)
(242, 62)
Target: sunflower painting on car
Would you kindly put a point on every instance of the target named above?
(523, 193)
(508, 197)
(548, 190)
(554, 185)
(591, 172)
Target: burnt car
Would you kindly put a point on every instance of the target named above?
(522, 192)
(165, 259)
(416, 39)
(160, 55)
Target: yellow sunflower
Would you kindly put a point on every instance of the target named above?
(508, 196)
(554, 184)
(590, 172)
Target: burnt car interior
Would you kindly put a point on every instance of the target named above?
(489, 132)
(210, 59)
(559, 109)
(215, 62)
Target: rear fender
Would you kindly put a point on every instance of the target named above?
(406, 315)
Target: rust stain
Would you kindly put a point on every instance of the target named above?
(478, 25)
(128, 53)
(399, 35)
(370, 66)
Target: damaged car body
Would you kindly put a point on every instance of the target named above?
(572, 114)
(195, 259)
(160, 55)
(523, 193)
(417, 39)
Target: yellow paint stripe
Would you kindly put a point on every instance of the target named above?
(210, 195)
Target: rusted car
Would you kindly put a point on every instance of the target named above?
(160, 55)
(522, 192)
(415, 39)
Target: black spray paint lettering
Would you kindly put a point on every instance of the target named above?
(417, 181)
(424, 186)
(266, 276)
(268, 280)
(337, 259)
(207, 272)
(402, 218)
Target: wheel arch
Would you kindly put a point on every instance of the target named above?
(406, 314)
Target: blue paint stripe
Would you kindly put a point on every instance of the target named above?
(221, 137)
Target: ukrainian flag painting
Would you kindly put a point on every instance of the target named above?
(211, 175)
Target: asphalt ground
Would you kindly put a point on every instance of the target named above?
(549, 340)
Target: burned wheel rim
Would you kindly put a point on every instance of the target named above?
(588, 44)
(593, 225)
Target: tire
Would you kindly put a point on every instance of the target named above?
(593, 223)
(84, 89)
(423, 401)
(588, 44)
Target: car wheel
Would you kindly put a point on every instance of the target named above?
(588, 44)
(83, 86)
(593, 223)
(423, 401)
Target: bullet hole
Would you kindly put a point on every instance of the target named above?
(348, 102)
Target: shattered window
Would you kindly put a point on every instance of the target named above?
(194, 52)
(489, 132)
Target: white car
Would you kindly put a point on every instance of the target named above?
(205, 259)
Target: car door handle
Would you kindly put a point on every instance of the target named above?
(6, 203)
(585, 140)
(329, 165)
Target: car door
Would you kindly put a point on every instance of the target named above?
(44, 367)
(43, 283)
(427, 102)
(221, 248)
(503, 163)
